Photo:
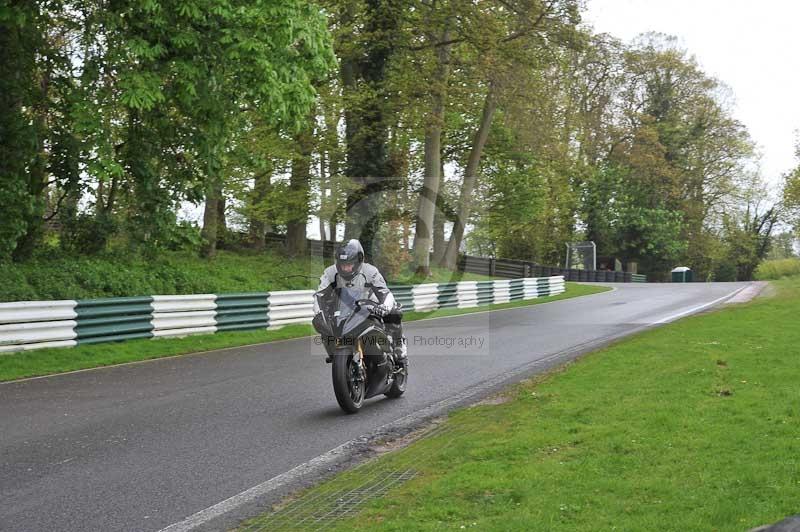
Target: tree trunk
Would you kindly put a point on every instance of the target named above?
(299, 188)
(257, 222)
(323, 185)
(37, 175)
(333, 221)
(222, 224)
(208, 249)
(433, 162)
(34, 219)
(439, 243)
(470, 177)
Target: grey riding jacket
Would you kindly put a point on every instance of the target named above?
(367, 277)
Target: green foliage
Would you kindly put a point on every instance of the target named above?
(147, 114)
(21, 35)
(221, 101)
(15, 203)
(120, 273)
(777, 269)
(86, 234)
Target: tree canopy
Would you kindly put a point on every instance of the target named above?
(423, 127)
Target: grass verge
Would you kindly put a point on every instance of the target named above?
(692, 426)
(50, 361)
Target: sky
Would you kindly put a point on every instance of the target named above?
(752, 47)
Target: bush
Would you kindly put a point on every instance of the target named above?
(119, 274)
(776, 269)
(87, 234)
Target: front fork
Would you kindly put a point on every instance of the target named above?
(358, 355)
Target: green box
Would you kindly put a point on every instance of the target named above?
(682, 274)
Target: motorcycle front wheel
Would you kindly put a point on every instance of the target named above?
(348, 384)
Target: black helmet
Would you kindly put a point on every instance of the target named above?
(349, 258)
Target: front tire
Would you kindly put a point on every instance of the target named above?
(348, 384)
(399, 384)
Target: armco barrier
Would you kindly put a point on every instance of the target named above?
(426, 297)
(290, 306)
(36, 324)
(242, 311)
(112, 319)
(182, 315)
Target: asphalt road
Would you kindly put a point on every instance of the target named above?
(141, 446)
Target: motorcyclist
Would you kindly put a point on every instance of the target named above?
(350, 270)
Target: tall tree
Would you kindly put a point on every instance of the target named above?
(37, 138)
(423, 237)
(300, 190)
(517, 33)
(364, 67)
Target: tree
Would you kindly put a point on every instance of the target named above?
(426, 209)
(368, 41)
(38, 148)
(184, 71)
(514, 30)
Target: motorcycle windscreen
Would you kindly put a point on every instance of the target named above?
(346, 315)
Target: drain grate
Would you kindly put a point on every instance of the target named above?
(322, 507)
(319, 513)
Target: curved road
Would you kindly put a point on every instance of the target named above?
(142, 446)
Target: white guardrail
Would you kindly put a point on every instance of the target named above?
(37, 324)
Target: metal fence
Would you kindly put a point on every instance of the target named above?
(506, 268)
(512, 269)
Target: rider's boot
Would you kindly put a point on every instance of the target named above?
(401, 351)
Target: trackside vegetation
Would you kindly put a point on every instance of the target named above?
(693, 426)
(777, 269)
(176, 272)
(50, 361)
(128, 126)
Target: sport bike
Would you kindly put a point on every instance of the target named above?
(359, 347)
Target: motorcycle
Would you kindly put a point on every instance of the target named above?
(359, 347)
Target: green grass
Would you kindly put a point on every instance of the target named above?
(115, 275)
(692, 426)
(777, 269)
(49, 361)
(59, 360)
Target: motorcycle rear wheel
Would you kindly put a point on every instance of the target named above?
(347, 385)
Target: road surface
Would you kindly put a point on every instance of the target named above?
(142, 446)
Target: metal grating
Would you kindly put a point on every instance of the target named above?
(321, 508)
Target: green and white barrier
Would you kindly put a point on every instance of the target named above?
(114, 319)
(182, 315)
(242, 311)
(36, 324)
